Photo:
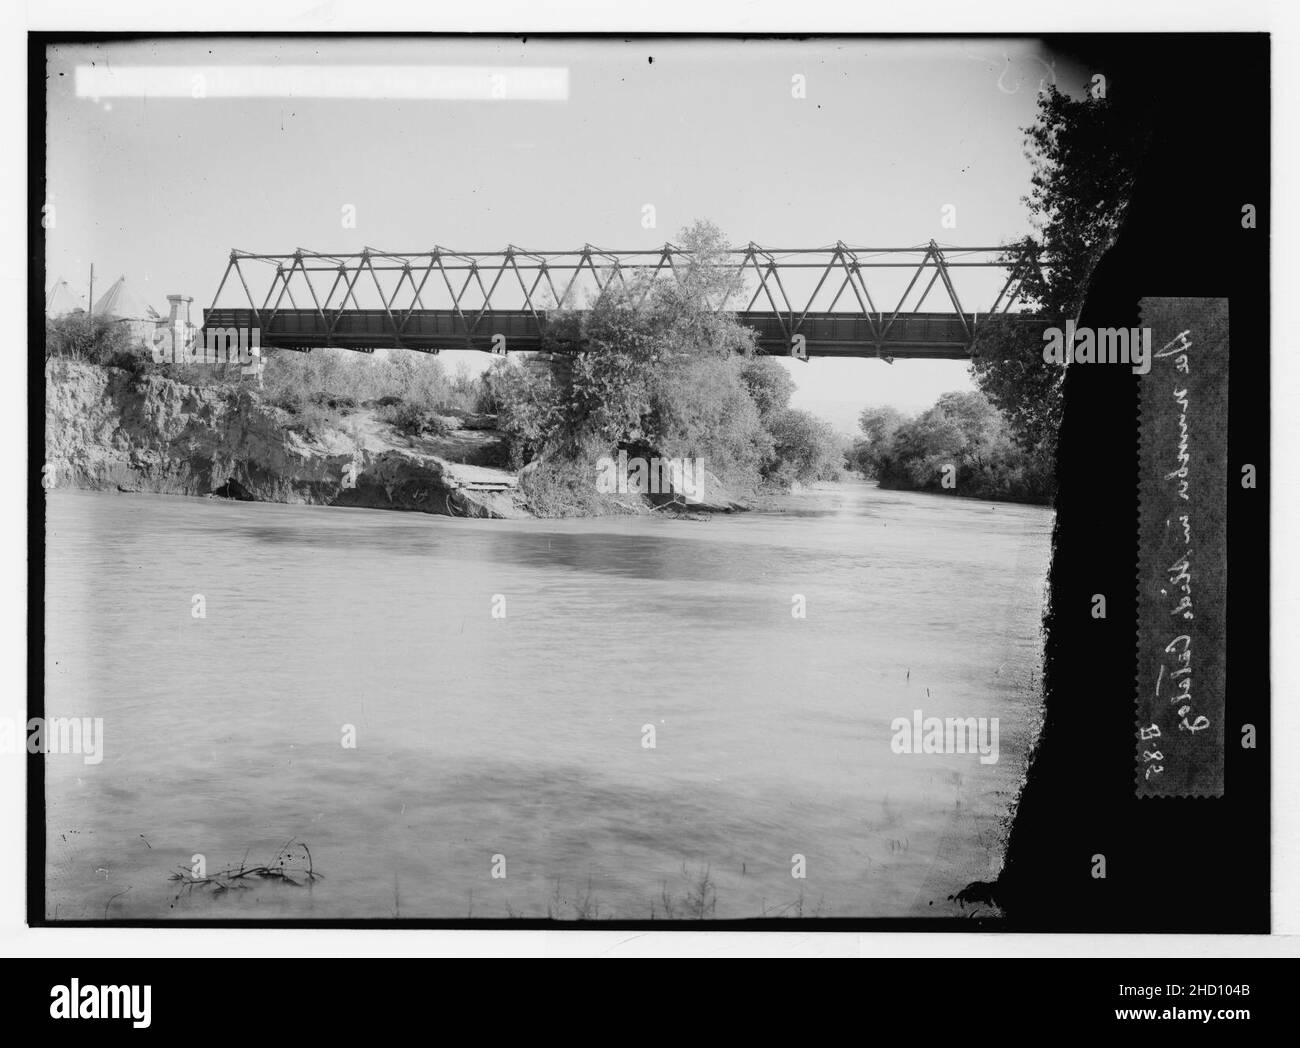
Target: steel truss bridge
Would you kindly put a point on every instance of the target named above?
(814, 301)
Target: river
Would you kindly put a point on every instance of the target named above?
(643, 729)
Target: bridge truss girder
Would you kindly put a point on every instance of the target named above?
(447, 282)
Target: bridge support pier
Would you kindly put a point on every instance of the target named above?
(558, 365)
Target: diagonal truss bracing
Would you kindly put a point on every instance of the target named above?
(445, 298)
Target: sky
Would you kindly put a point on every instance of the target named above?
(883, 136)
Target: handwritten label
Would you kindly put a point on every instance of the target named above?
(1182, 550)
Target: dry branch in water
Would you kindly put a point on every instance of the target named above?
(292, 864)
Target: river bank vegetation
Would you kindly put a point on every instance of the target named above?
(963, 445)
(1083, 154)
(666, 371)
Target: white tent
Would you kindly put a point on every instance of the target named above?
(123, 306)
(62, 300)
(122, 302)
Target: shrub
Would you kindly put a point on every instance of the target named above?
(308, 415)
(290, 398)
(878, 425)
(413, 420)
(340, 402)
(702, 409)
(964, 431)
(769, 384)
(562, 482)
(805, 449)
(93, 339)
(349, 378)
(133, 360)
(528, 407)
(313, 420)
(465, 392)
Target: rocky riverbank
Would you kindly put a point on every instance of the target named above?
(111, 429)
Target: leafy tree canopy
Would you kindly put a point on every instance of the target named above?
(1084, 155)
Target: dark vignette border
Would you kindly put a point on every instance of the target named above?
(1173, 865)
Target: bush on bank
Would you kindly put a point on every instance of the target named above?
(963, 438)
(93, 340)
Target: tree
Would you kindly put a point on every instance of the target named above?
(878, 425)
(662, 365)
(1009, 369)
(644, 374)
(804, 448)
(963, 435)
(703, 410)
(769, 384)
(1084, 155)
(528, 408)
(956, 431)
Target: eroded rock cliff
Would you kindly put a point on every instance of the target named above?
(109, 429)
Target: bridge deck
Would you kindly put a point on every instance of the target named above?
(909, 335)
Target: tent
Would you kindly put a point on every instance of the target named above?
(121, 302)
(62, 300)
(123, 306)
